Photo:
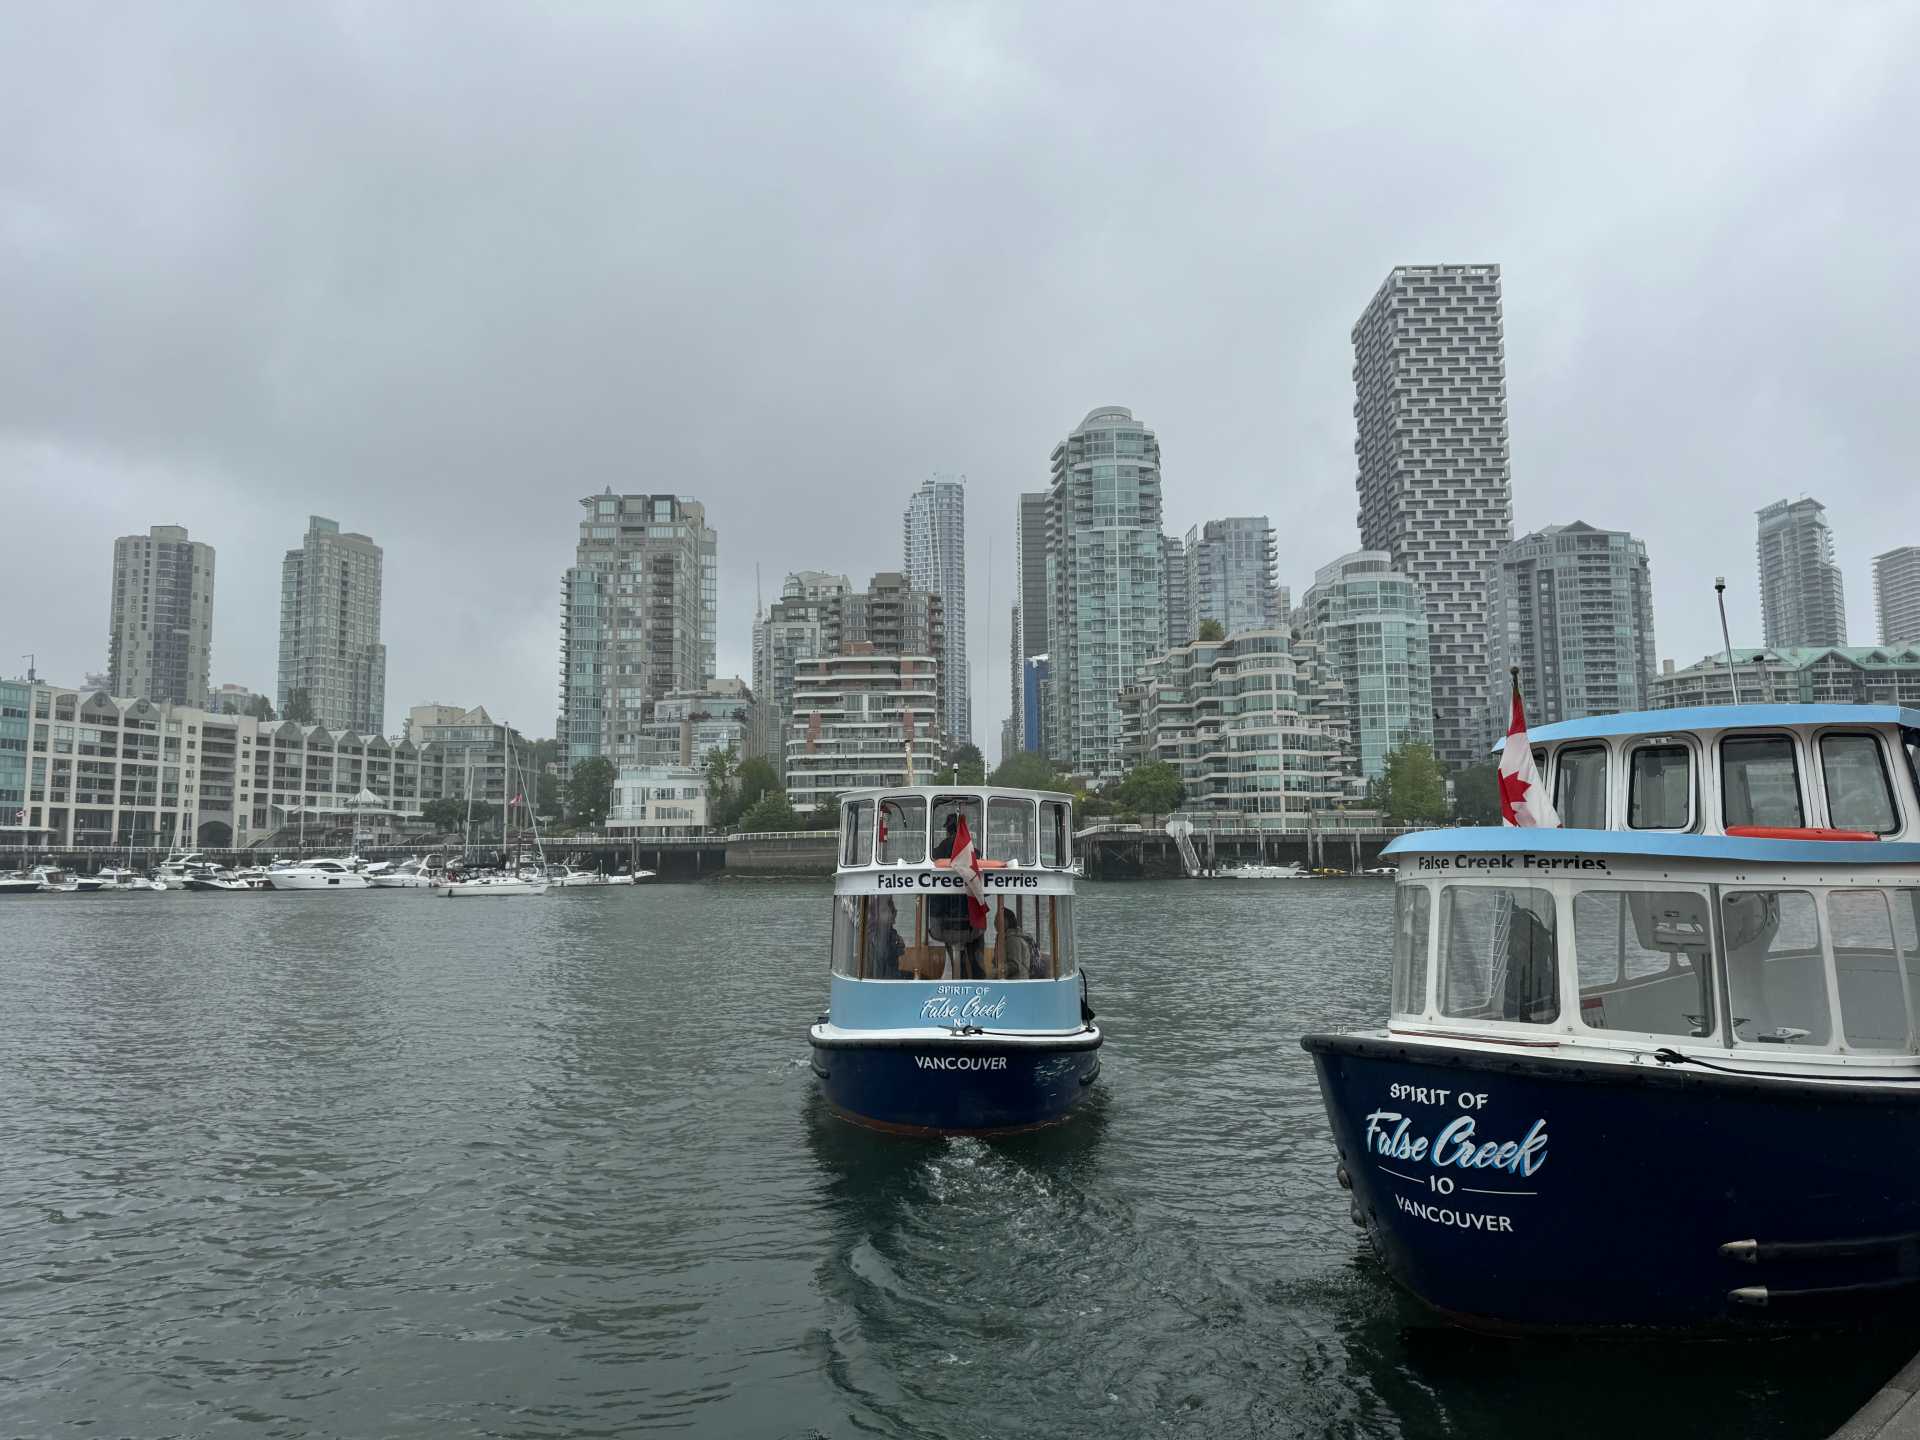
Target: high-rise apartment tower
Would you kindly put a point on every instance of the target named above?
(1030, 614)
(637, 620)
(1802, 600)
(330, 648)
(162, 611)
(935, 533)
(1896, 595)
(1107, 583)
(1231, 577)
(1572, 606)
(1435, 482)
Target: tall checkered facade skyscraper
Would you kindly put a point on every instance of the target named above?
(1434, 476)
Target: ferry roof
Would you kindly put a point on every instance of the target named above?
(1657, 845)
(931, 790)
(1719, 717)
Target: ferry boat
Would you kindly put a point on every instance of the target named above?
(956, 1004)
(1660, 1068)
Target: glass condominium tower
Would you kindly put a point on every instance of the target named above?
(1434, 477)
(1372, 626)
(935, 534)
(637, 620)
(1107, 584)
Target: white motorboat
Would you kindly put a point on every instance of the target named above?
(317, 875)
(19, 885)
(408, 875)
(498, 886)
(113, 878)
(565, 877)
(172, 872)
(87, 884)
(51, 879)
(1264, 872)
(215, 878)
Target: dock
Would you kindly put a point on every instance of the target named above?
(1892, 1414)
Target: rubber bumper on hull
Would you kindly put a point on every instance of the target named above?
(945, 1084)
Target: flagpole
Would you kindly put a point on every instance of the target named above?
(1720, 595)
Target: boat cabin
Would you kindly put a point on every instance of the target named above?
(1788, 949)
(1717, 769)
(902, 910)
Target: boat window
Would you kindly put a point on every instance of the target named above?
(948, 808)
(1497, 956)
(1776, 972)
(1875, 1007)
(1412, 907)
(1660, 788)
(1642, 958)
(1859, 790)
(1906, 930)
(1759, 781)
(1010, 831)
(1053, 834)
(901, 838)
(846, 933)
(1580, 788)
(858, 849)
(881, 937)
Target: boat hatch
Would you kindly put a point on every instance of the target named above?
(1784, 967)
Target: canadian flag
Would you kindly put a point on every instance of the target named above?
(1523, 799)
(968, 865)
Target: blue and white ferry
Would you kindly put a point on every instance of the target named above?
(956, 1005)
(1660, 1068)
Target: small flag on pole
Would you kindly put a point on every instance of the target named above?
(967, 865)
(1523, 799)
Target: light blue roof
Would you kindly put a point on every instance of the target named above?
(1488, 839)
(1719, 717)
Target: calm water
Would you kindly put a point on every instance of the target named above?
(373, 1164)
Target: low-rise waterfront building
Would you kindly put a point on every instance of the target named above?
(1796, 675)
(115, 771)
(852, 718)
(658, 802)
(1254, 724)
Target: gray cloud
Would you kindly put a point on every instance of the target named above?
(438, 271)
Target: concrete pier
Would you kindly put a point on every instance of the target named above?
(1892, 1414)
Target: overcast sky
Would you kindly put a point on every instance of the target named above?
(438, 271)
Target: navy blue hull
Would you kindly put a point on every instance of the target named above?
(1522, 1193)
(937, 1086)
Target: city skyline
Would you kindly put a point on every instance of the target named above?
(279, 345)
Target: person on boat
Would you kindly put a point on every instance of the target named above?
(884, 945)
(1016, 958)
(947, 918)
